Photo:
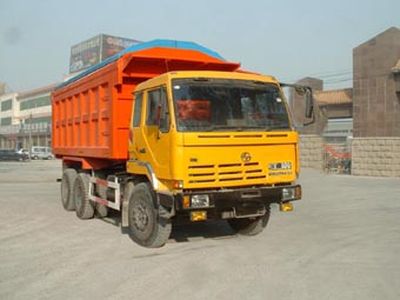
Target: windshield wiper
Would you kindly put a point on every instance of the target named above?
(278, 127)
(217, 127)
(235, 128)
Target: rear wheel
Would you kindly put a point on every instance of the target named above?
(67, 185)
(250, 226)
(83, 206)
(146, 226)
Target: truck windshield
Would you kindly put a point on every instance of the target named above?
(205, 104)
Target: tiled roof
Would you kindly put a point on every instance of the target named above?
(342, 96)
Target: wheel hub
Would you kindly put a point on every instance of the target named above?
(141, 217)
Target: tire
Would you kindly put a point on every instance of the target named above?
(250, 226)
(146, 227)
(67, 185)
(83, 206)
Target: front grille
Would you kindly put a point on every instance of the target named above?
(226, 172)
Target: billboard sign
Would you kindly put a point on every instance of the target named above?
(112, 45)
(85, 54)
(95, 50)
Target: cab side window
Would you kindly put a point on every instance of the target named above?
(164, 121)
(157, 109)
(153, 107)
(137, 109)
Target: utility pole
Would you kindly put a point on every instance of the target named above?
(30, 136)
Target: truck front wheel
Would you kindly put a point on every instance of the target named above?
(250, 226)
(146, 226)
(84, 207)
(67, 185)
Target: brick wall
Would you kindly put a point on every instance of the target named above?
(311, 151)
(376, 106)
(376, 156)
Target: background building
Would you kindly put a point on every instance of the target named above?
(35, 117)
(8, 119)
(25, 118)
(337, 106)
(376, 105)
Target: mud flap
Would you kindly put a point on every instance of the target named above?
(167, 202)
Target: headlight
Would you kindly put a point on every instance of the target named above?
(287, 194)
(200, 201)
(291, 193)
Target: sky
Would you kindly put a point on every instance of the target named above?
(287, 39)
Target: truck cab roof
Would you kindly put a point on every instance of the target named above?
(161, 79)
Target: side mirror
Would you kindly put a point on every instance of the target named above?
(309, 112)
(306, 93)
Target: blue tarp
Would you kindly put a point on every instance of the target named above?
(143, 46)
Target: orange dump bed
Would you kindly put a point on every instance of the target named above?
(91, 113)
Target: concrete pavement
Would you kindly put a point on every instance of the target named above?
(341, 242)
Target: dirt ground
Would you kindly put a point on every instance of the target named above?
(341, 242)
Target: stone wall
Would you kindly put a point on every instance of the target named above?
(376, 156)
(311, 151)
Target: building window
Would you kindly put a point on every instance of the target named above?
(6, 105)
(5, 121)
(38, 120)
(34, 103)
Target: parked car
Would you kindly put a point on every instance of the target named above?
(10, 154)
(39, 152)
(23, 151)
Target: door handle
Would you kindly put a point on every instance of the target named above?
(142, 150)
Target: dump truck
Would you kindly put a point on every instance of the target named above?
(169, 131)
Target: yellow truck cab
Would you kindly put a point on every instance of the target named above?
(212, 144)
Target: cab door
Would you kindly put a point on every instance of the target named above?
(151, 139)
(136, 136)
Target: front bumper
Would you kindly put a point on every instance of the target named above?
(233, 203)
